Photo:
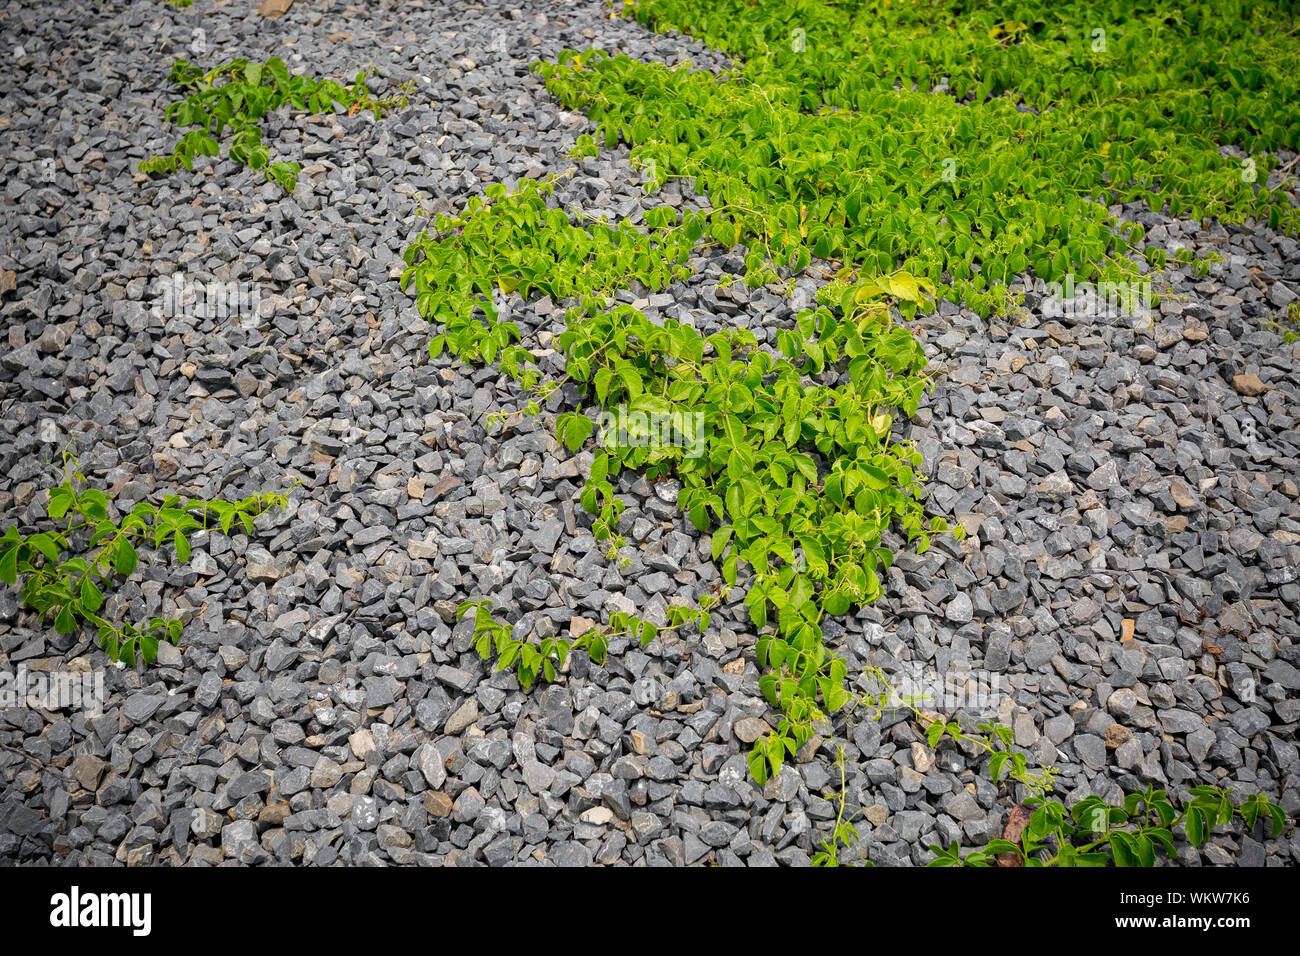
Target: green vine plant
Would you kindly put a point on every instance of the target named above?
(1090, 832)
(792, 467)
(65, 570)
(843, 833)
(1140, 96)
(1093, 832)
(1287, 325)
(546, 658)
(235, 96)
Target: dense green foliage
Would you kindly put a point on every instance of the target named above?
(1146, 72)
(809, 148)
(830, 140)
(798, 474)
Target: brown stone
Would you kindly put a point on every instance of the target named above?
(1117, 735)
(442, 487)
(273, 814)
(749, 729)
(1017, 820)
(274, 8)
(1182, 495)
(1248, 384)
(437, 803)
(89, 769)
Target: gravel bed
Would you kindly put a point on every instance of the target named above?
(1130, 585)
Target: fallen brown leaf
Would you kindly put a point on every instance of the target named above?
(1017, 820)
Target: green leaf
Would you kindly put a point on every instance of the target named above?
(61, 500)
(758, 766)
(700, 518)
(124, 557)
(9, 566)
(1122, 845)
(602, 382)
(92, 599)
(45, 545)
(577, 430)
(719, 542)
(874, 478)
(65, 622)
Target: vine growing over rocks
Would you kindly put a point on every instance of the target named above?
(66, 569)
(546, 659)
(792, 469)
(1043, 831)
(235, 97)
(812, 150)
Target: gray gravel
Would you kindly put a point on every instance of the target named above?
(325, 708)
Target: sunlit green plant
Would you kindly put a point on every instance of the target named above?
(494, 640)
(838, 147)
(234, 97)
